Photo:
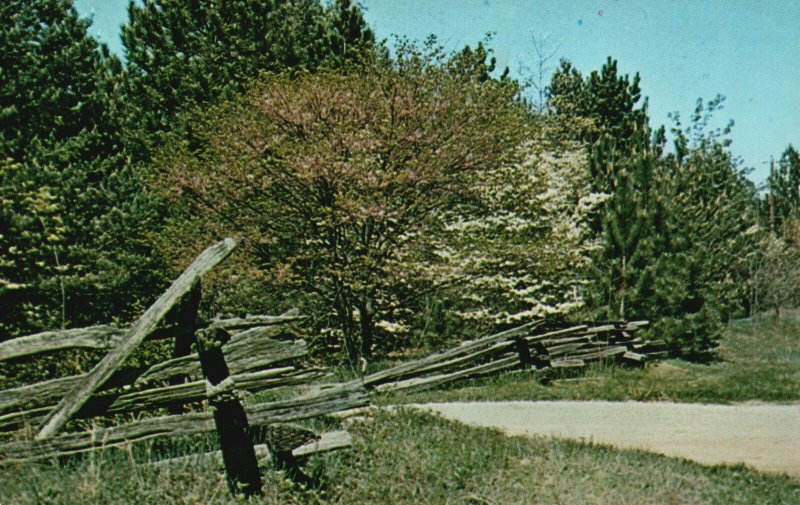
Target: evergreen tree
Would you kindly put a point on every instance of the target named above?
(628, 223)
(674, 232)
(602, 103)
(701, 273)
(784, 188)
(62, 168)
(605, 114)
(184, 54)
(612, 103)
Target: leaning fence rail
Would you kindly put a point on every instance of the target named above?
(231, 356)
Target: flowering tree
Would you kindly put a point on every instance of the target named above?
(333, 180)
(520, 250)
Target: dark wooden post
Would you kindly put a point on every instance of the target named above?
(185, 326)
(238, 453)
(524, 352)
(542, 359)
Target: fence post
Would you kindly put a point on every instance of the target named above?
(542, 359)
(524, 352)
(236, 443)
(185, 326)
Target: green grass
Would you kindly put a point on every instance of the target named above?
(412, 458)
(757, 361)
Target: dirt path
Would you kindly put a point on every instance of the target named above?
(764, 437)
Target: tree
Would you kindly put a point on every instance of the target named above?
(777, 276)
(72, 245)
(701, 274)
(333, 186)
(602, 111)
(185, 54)
(674, 230)
(61, 154)
(628, 223)
(535, 76)
(602, 103)
(520, 249)
(784, 187)
(57, 81)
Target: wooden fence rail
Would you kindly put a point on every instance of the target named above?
(525, 347)
(234, 355)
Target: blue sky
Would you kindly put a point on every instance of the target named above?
(747, 51)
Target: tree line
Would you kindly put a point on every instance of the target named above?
(398, 195)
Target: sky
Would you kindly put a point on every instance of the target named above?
(683, 50)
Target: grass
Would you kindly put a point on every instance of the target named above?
(409, 458)
(758, 360)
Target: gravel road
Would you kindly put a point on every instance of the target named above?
(764, 437)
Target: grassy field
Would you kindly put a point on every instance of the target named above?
(410, 457)
(758, 360)
(413, 458)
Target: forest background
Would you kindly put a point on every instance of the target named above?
(398, 194)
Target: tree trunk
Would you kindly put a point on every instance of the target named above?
(344, 313)
(622, 291)
(365, 319)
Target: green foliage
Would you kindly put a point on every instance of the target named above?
(784, 189)
(435, 323)
(674, 245)
(60, 146)
(709, 242)
(72, 225)
(182, 55)
(602, 103)
(56, 82)
(776, 271)
(334, 186)
(367, 188)
(628, 222)
(674, 231)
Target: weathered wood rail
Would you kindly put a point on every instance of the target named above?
(231, 357)
(531, 346)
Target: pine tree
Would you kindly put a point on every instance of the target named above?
(784, 187)
(71, 207)
(605, 102)
(605, 114)
(612, 103)
(702, 272)
(627, 222)
(186, 54)
(675, 231)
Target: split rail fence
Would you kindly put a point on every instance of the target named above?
(233, 356)
(527, 347)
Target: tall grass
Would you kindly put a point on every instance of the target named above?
(408, 457)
